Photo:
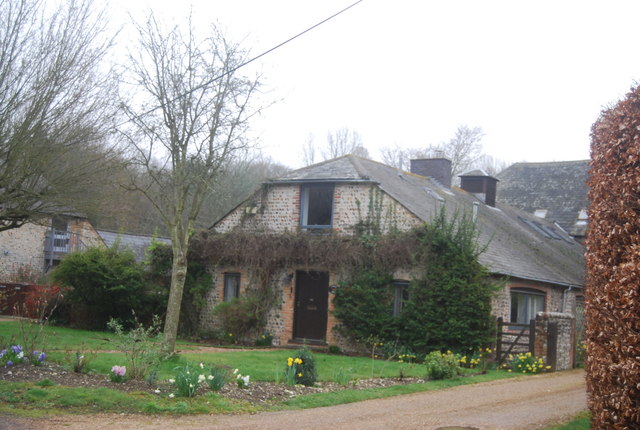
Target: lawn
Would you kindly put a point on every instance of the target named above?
(43, 398)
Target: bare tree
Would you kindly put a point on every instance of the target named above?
(54, 111)
(309, 151)
(395, 156)
(342, 142)
(491, 165)
(464, 150)
(187, 119)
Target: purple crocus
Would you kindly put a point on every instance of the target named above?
(16, 348)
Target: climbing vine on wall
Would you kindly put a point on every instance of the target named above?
(613, 268)
(450, 296)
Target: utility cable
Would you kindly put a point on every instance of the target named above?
(251, 60)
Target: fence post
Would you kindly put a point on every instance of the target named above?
(552, 345)
(532, 336)
(499, 341)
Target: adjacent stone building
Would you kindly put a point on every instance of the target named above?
(555, 191)
(31, 250)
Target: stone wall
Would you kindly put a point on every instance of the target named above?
(276, 208)
(22, 249)
(565, 340)
(557, 298)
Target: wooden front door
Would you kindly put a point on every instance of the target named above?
(312, 294)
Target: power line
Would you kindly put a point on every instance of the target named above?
(251, 60)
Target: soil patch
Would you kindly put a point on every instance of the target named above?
(257, 392)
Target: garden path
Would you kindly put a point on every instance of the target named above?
(529, 402)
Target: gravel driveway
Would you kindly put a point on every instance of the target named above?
(530, 402)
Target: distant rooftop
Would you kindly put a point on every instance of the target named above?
(137, 243)
(558, 187)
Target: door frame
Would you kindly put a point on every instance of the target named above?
(323, 303)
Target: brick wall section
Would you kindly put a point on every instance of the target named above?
(565, 340)
(501, 303)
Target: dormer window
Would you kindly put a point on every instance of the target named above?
(316, 206)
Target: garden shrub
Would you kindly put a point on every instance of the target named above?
(104, 283)
(364, 306)
(441, 365)
(448, 305)
(305, 367)
(196, 285)
(238, 318)
(265, 340)
(140, 345)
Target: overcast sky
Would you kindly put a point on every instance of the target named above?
(533, 75)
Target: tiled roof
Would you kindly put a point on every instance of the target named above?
(559, 187)
(136, 243)
(517, 243)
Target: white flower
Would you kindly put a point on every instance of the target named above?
(235, 371)
(157, 391)
(190, 385)
(201, 379)
(201, 366)
(210, 377)
(172, 381)
(171, 396)
(20, 354)
(246, 380)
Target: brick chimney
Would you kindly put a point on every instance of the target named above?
(438, 168)
(480, 184)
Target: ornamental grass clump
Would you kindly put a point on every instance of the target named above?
(188, 379)
(307, 367)
(241, 380)
(218, 378)
(441, 365)
(293, 371)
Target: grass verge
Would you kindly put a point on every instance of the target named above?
(33, 400)
(581, 422)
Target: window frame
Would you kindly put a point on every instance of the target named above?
(226, 286)
(305, 201)
(528, 294)
(400, 290)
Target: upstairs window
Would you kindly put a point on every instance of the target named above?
(231, 286)
(316, 208)
(525, 304)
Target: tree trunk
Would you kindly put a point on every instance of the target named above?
(178, 276)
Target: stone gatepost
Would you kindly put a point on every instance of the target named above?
(555, 339)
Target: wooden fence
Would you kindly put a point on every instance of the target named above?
(514, 338)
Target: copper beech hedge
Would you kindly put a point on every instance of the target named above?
(613, 268)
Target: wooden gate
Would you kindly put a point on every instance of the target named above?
(514, 338)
